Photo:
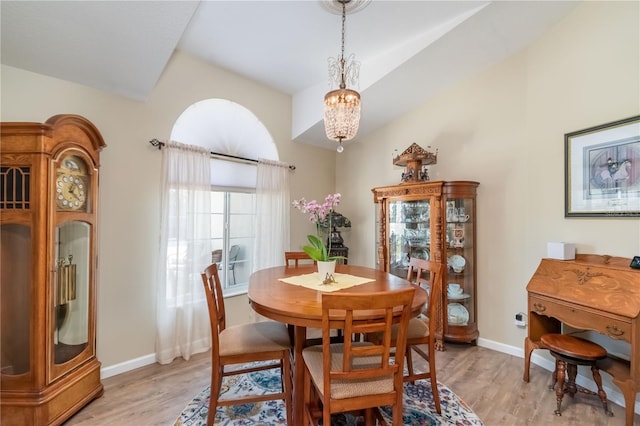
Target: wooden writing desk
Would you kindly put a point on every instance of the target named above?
(592, 292)
(302, 307)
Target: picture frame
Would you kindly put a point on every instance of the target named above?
(602, 170)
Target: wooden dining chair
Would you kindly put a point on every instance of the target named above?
(244, 344)
(422, 331)
(357, 376)
(297, 258)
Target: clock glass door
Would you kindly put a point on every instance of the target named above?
(71, 290)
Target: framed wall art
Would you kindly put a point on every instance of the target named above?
(602, 170)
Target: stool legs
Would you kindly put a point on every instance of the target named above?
(566, 372)
(560, 375)
(554, 377)
(572, 371)
(601, 392)
(570, 352)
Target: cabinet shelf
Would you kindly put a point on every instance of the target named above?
(459, 299)
(413, 222)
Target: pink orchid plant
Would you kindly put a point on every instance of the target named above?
(318, 214)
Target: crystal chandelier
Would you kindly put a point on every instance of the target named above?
(342, 106)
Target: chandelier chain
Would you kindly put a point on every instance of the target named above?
(344, 16)
(342, 63)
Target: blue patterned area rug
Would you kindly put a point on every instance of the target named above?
(418, 407)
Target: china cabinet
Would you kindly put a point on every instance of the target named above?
(48, 232)
(434, 221)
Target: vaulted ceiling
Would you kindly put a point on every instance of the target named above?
(409, 50)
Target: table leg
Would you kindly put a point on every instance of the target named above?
(528, 348)
(299, 338)
(628, 388)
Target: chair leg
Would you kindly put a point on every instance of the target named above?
(214, 392)
(326, 415)
(397, 419)
(369, 417)
(410, 364)
(434, 380)
(306, 399)
(288, 374)
(561, 366)
(312, 412)
(436, 394)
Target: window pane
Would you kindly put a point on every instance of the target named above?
(233, 222)
(217, 202)
(242, 203)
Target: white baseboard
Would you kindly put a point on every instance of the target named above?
(613, 394)
(123, 367)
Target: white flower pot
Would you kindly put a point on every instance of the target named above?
(325, 268)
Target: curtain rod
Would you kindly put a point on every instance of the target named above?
(159, 144)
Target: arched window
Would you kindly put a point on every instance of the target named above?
(225, 127)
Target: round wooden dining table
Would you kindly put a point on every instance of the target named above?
(301, 307)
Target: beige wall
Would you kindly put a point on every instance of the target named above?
(130, 176)
(505, 128)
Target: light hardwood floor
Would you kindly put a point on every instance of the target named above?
(489, 381)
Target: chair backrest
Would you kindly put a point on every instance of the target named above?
(428, 274)
(215, 302)
(216, 256)
(297, 258)
(352, 312)
(234, 251)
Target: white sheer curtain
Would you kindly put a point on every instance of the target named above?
(272, 214)
(185, 250)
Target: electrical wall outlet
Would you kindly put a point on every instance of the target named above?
(519, 320)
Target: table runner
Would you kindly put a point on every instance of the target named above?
(312, 281)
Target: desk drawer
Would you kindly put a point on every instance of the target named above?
(581, 317)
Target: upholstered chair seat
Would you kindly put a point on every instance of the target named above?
(255, 337)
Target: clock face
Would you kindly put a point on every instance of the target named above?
(71, 185)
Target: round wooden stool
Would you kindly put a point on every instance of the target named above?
(569, 352)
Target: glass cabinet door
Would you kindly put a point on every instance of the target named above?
(16, 290)
(460, 282)
(409, 234)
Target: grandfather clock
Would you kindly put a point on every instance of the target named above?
(48, 231)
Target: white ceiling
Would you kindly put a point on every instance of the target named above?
(409, 50)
